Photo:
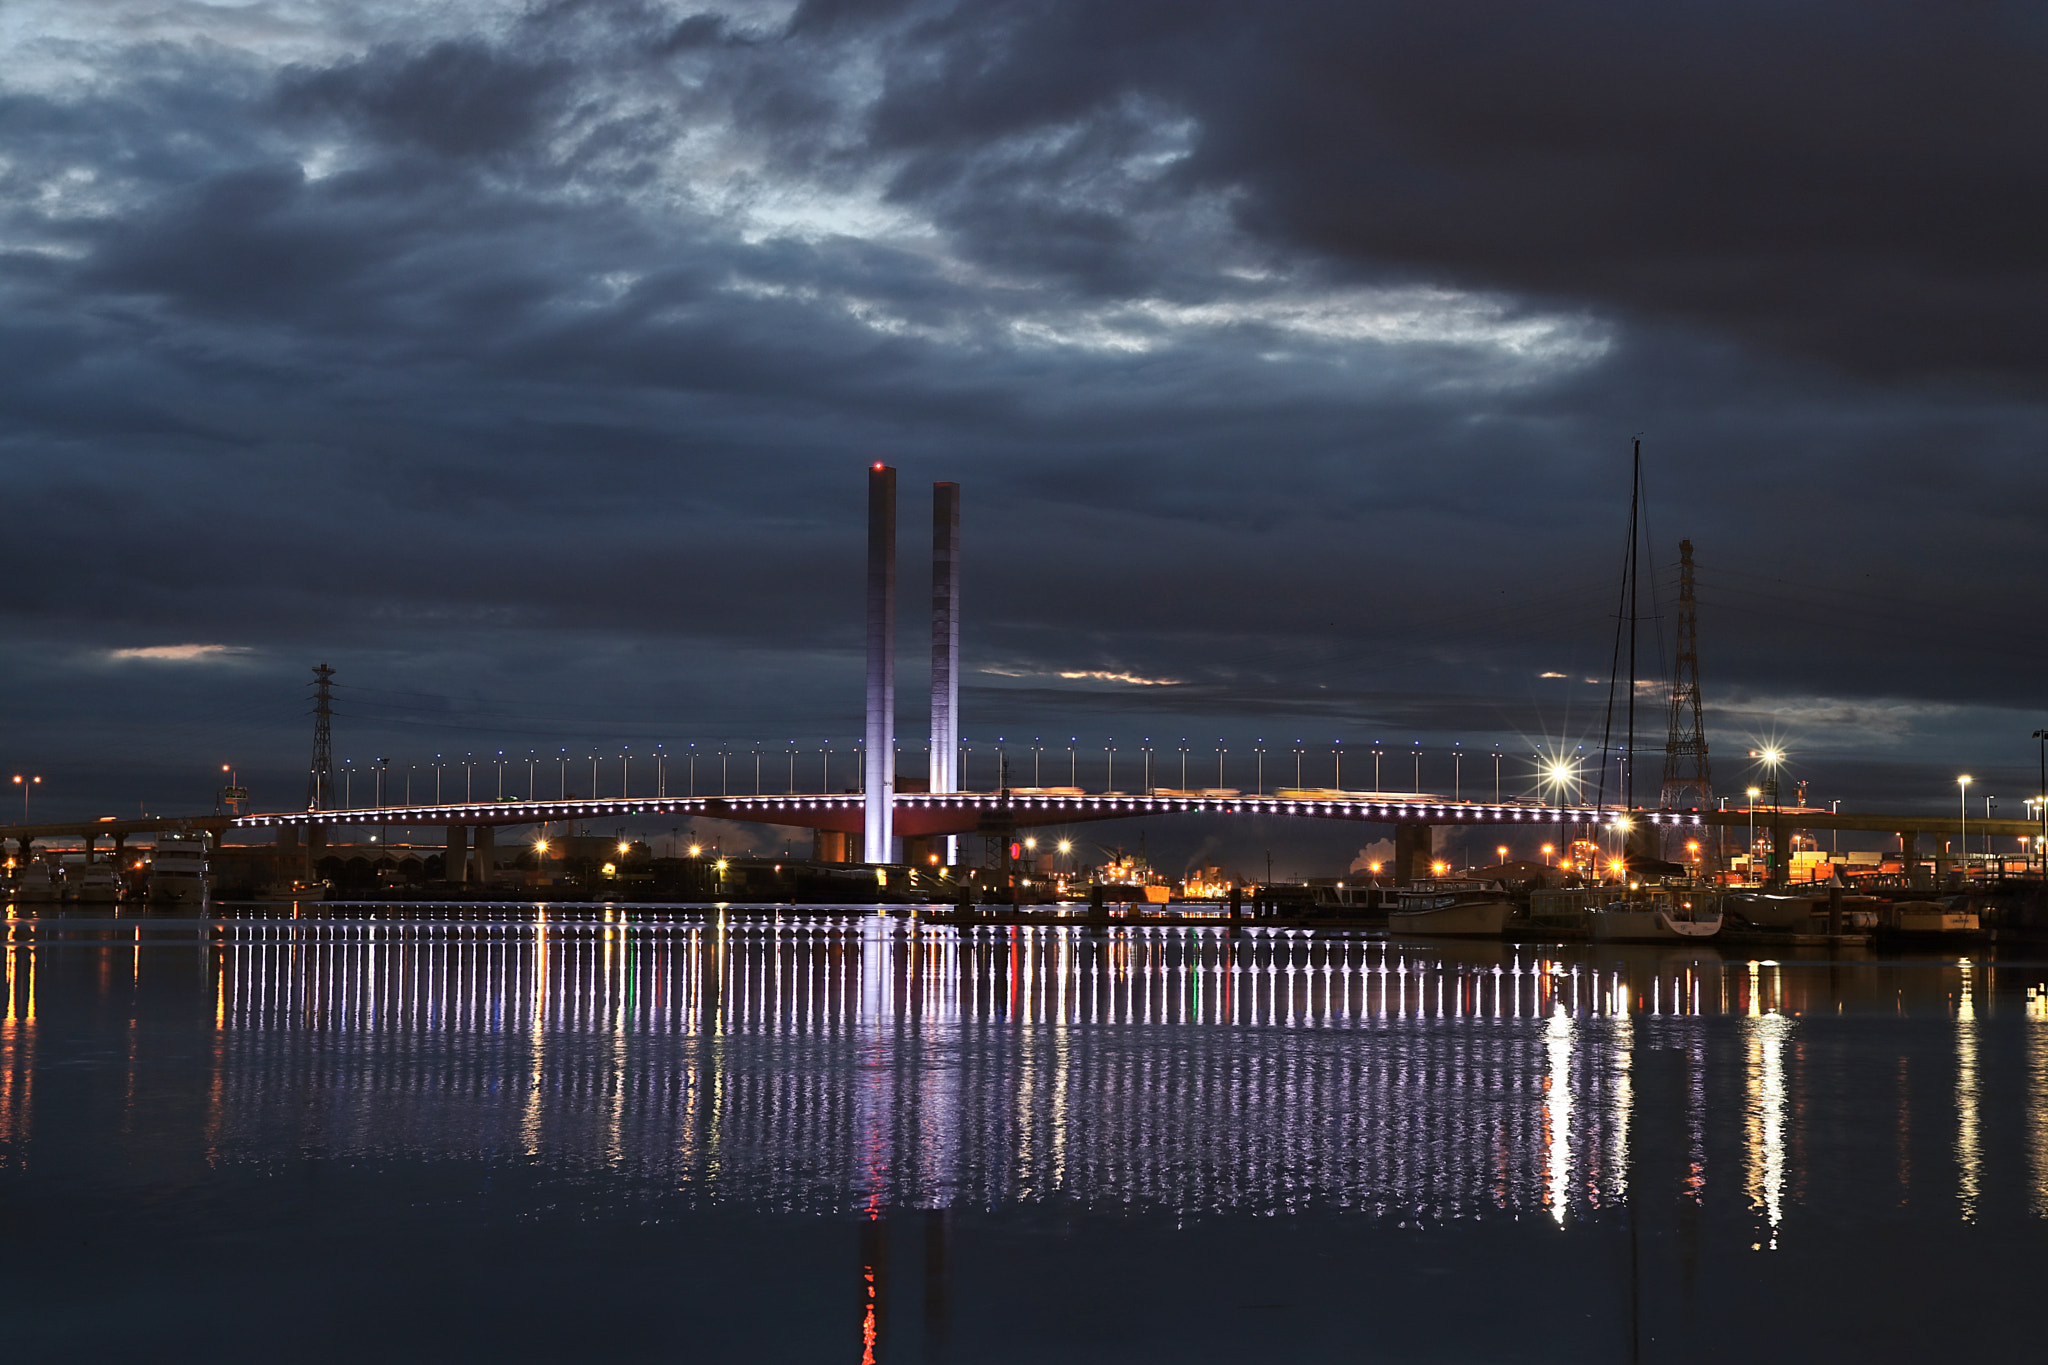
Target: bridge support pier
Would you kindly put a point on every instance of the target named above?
(829, 846)
(288, 859)
(484, 858)
(1909, 859)
(1414, 846)
(455, 862)
(1943, 865)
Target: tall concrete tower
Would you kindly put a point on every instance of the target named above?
(945, 768)
(879, 768)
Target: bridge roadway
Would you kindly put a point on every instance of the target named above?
(919, 815)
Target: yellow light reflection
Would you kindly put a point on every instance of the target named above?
(1767, 1035)
(1969, 1142)
(1557, 1114)
(2037, 1097)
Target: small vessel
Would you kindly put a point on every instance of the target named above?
(177, 870)
(1765, 910)
(91, 879)
(1656, 915)
(36, 880)
(1447, 908)
(1929, 922)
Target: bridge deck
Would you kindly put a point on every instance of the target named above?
(921, 814)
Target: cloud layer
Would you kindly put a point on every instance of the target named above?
(521, 360)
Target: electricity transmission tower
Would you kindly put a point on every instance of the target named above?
(320, 777)
(1687, 784)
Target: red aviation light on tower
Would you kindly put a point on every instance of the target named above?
(877, 465)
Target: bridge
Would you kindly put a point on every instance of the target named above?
(884, 823)
(921, 818)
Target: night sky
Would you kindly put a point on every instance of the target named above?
(523, 361)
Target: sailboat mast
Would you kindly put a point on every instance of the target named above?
(1635, 496)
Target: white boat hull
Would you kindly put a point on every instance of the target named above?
(1473, 919)
(1650, 925)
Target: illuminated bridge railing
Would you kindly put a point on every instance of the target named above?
(1029, 806)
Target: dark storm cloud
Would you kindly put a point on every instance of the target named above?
(1856, 183)
(526, 361)
(456, 99)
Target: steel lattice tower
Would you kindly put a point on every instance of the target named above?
(320, 777)
(1687, 784)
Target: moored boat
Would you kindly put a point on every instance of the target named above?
(1445, 909)
(177, 870)
(91, 880)
(1656, 915)
(1929, 922)
(36, 880)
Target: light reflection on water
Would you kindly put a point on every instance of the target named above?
(834, 1064)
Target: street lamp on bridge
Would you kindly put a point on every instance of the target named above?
(1963, 828)
(25, 782)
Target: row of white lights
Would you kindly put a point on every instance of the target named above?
(981, 800)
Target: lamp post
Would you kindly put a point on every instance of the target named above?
(26, 781)
(1963, 825)
(2042, 801)
(1376, 751)
(1990, 804)
(1771, 759)
(1297, 765)
(1220, 752)
(1418, 767)
(1749, 854)
(1259, 748)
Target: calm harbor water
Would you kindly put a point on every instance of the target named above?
(490, 1133)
